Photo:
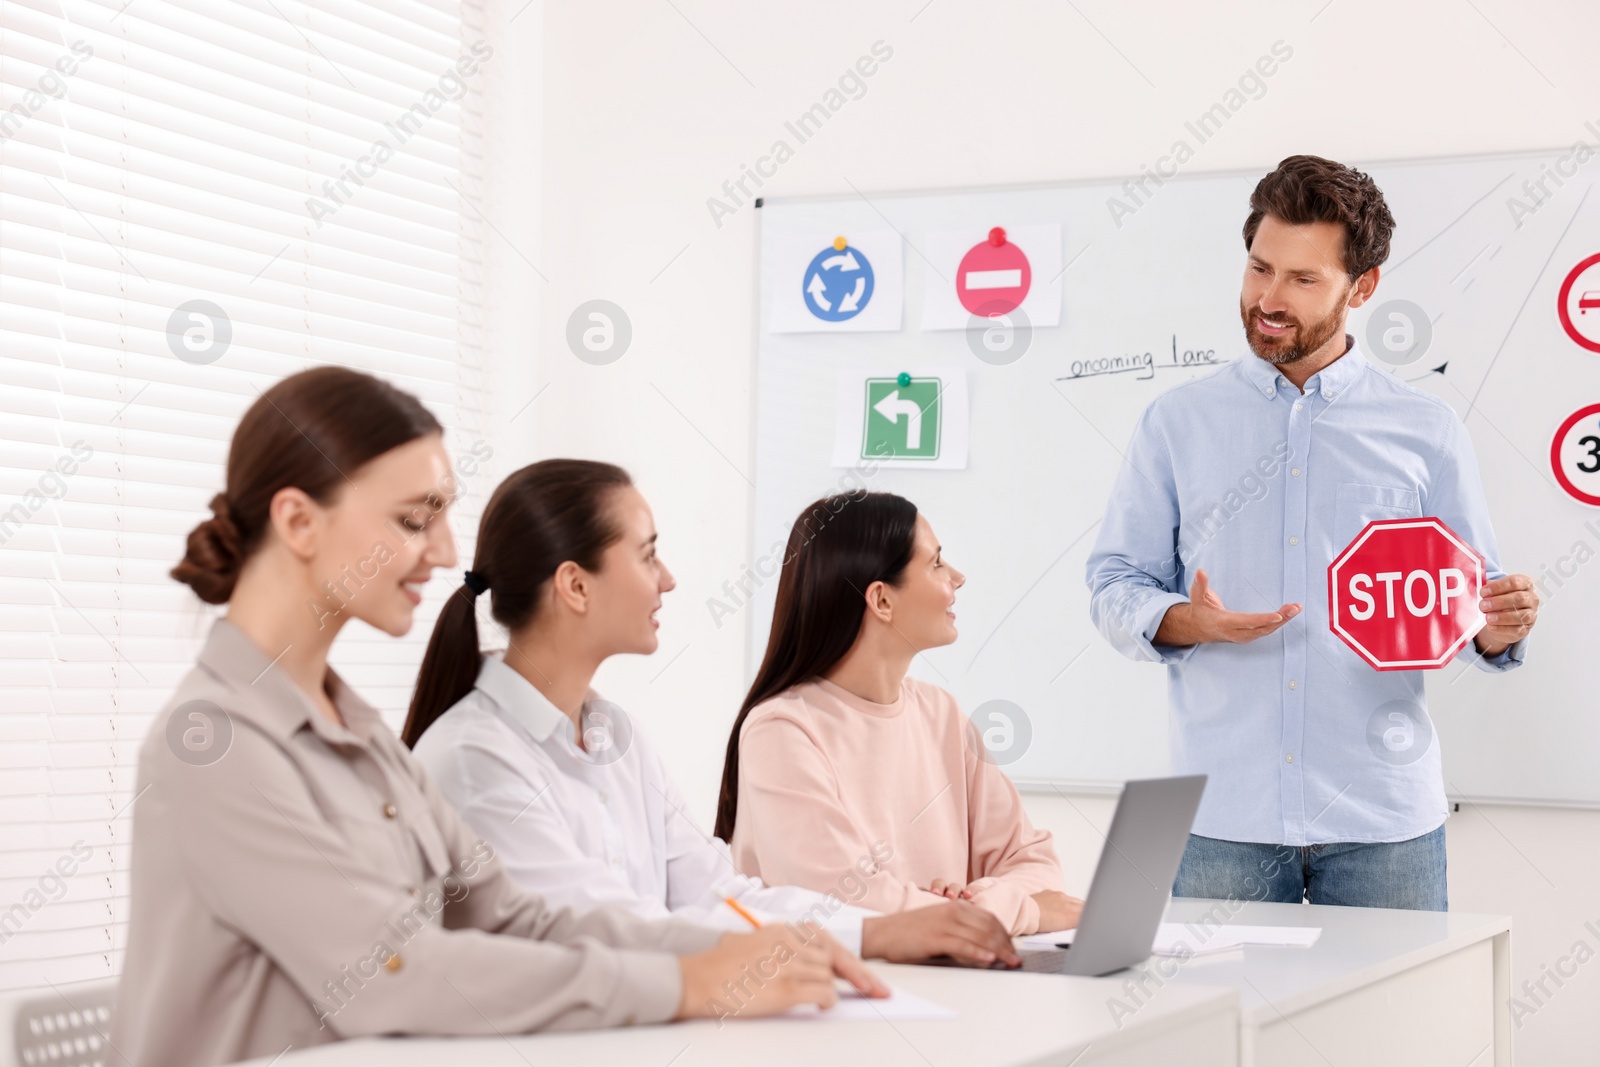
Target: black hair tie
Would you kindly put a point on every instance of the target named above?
(475, 582)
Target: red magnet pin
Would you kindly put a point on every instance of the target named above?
(993, 277)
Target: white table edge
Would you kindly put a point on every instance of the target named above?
(1490, 927)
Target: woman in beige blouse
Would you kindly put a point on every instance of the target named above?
(296, 877)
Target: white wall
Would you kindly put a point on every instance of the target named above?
(513, 97)
(647, 108)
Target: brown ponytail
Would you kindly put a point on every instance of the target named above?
(307, 432)
(537, 519)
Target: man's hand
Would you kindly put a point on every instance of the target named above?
(964, 931)
(791, 964)
(1204, 619)
(1511, 606)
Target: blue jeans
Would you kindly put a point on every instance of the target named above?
(1397, 874)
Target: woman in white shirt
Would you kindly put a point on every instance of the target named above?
(571, 795)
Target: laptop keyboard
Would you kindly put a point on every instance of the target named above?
(1044, 960)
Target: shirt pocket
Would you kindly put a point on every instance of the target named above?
(1357, 504)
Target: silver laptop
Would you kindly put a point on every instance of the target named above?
(1132, 883)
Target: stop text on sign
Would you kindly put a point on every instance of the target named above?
(1404, 594)
(1451, 585)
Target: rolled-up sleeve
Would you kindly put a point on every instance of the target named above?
(1134, 572)
(1456, 498)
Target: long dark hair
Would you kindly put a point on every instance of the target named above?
(838, 546)
(538, 518)
(306, 432)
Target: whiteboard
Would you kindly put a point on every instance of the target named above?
(1155, 284)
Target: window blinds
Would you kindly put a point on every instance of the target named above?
(197, 198)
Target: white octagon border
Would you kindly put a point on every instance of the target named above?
(1350, 550)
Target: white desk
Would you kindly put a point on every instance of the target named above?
(1007, 1019)
(1379, 986)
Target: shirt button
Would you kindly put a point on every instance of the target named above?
(393, 963)
(1293, 684)
(616, 861)
(1295, 471)
(1294, 540)
(605, 798)
(1299, 404)
(1289, 758)
(390, 811)
(415, 891)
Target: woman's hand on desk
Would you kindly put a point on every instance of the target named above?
(965, 931)
(1057, 911)
(773, 969)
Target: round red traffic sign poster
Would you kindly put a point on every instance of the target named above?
(1578, 303)
(1404, 594)
(993, 277)
(1575, 455)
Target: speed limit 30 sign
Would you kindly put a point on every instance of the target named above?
(1575, 455)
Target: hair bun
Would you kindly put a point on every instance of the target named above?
(213, 556)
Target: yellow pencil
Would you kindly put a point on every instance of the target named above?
(734, 904)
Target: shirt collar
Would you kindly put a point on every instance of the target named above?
(1330, 381)
(521, 700)
(272, 700)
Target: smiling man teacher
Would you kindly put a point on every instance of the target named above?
(1325, 777)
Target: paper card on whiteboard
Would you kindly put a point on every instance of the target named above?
(970, 275)
(911, 417)
(820, 288)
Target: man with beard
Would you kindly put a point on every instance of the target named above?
(1325, 781)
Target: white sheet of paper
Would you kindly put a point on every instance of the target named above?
(1287, 936)
(941, 307)
(850, 440)
(1174, 939)
(853, 1007)
(788, 310)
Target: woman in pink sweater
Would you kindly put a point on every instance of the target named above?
(840, 766)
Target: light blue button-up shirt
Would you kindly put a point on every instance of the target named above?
(1240, 474)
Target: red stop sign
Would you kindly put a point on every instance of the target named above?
(1404, 594)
